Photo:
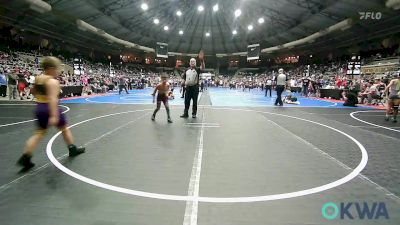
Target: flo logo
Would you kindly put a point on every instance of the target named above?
(370, 15)
(355, 210)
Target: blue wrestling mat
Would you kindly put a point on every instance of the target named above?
(218, 97)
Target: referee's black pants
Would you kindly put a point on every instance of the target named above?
(279, 90)
(192, 92)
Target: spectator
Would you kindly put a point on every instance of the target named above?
(12, 85)
(350, 98)
(3, 84)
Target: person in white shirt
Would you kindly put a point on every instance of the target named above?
(268, 87)
(281, 83)
(191, 79)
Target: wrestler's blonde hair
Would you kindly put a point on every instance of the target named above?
(49, 62)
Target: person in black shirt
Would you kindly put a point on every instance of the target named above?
(306, 82)
(191, 79)
(201, 86)
(122, 84)
(183, 89)
(350, 98)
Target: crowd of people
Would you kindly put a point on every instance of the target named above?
(309, 81)
(18, 71)
(17, 75)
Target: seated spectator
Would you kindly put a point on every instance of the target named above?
(365, 92)
(290, 98)
(350, 98)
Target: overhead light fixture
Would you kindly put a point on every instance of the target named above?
(144, 6)
(394, 4)
(179, 13)
(200, 8)
(238, 12)
(207, 34)
(250, 27)
(166, 28)
(215, 7)
(234, 32)
(180, 32)
(156, 21)
(261, 20)
(82, 25)
(39, 6)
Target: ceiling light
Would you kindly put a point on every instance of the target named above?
(181, 32)
(261, 20)
(234, 32)
(156, 21)
(200, 8)
(215, 7)
(144, 6)
(238, 12)
(250, 27)
(179, 13)
(166, 28)
(207, 34)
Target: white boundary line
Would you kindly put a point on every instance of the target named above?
(192, 207)
(372, 124)
(133, 101)
(34, 172)
(26, 121)
(346, 167)
(199, 97)
(119, 103)
(347, 178)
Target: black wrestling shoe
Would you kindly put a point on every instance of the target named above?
(169, 120)
(25, 162)
(153, 117)
(387, 118)
(394, 120)
(194, 116)
(74, 151)
(184, 116)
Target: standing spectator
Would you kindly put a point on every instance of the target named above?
(122, 84)
(22, 84)
(268, 87)
(12, 85)
(3, 84)
(393, 92)
(183, 89)
(201, 86)
(306, 83)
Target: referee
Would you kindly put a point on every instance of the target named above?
(191, 79)
(281, 82)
